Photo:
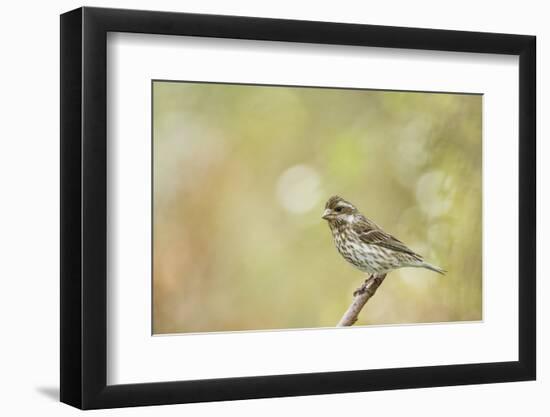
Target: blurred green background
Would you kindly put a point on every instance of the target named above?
(241, 176)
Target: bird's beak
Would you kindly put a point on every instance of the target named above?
(326, 214)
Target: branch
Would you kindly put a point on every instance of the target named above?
(361, 296)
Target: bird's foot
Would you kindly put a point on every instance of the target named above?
(359, 291)
(362, 289)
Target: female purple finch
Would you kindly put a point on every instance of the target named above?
(365, 245)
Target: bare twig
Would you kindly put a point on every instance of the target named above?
(361, 296)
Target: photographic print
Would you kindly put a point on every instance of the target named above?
(290, 207)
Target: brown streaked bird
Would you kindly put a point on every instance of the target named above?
(365, 245)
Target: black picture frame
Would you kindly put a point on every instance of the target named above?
(84, 207)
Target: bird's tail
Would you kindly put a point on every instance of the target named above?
(432, 268)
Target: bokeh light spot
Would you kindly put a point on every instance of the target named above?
(434, 193)
(298, 189)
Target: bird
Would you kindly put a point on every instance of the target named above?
(365, 245)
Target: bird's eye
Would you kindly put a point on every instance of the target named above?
(338, 209)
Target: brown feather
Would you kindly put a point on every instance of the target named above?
(371, 234)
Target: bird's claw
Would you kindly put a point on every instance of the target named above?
(359, 291)
(363, 288)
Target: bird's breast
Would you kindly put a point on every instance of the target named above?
(367, 258)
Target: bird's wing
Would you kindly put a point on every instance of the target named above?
(375, 236)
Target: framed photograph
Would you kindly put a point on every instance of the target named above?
(258, 207)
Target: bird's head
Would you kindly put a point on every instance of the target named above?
(338, 210)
